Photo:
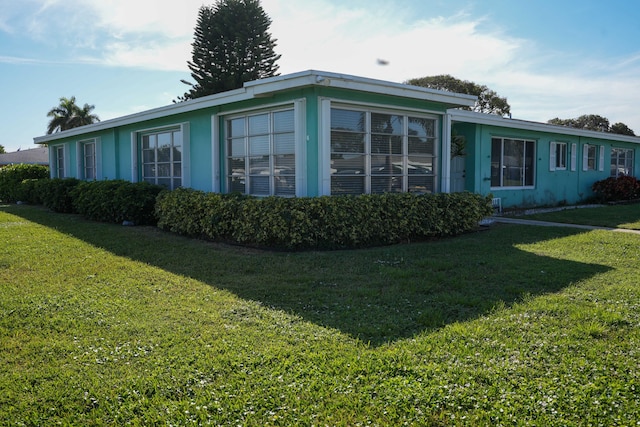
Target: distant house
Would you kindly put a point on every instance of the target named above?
(35, 156)
(317, 133)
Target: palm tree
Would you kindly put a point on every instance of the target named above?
(68, 115)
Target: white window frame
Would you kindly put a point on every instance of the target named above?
(298, 180)
(501, 165)
(137, 171)
(368, 109)
(81, 158)
(60, 159)
(558, 156)
(598, 157)
(615, 157)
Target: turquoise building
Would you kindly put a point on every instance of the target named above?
(317, 133)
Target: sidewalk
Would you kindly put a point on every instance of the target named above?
(505, 220)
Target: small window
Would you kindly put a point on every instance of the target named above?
(622, 162)
(558, 156)
(593, 157)
(88, 160)
(59, 162)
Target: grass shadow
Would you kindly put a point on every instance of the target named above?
(377, 295)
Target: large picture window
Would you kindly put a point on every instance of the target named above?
(261, 153)
(621, 162)
(512, 162)
(162, 158)
(379, 152)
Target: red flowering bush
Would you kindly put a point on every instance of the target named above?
(620, 188)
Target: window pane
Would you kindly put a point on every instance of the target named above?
(259, 145)
(148, 142)
(259, 165)
(259, 124)
(259, 185)
(164, 169)
(236, 147)
(422, 127)
(420, 165)
(347, 185)
(177, 138)
(177, 170)
(285, 143)
(347, 164)
(384, 184)
(165, 182)
(283, 121)
(421, 184)
(386, 123)
(285, 164)
(347, 142)
(386, 165)
(421, 145)
(285, 186)
(236, 166)
(347, 120)
(177, 154)
(529, 163)
(177, 182)
(237, 185)
(235, 128)
(164, 140)
(384, 144)
(149, 170)
(164, 154)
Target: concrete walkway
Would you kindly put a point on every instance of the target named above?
(512, 220)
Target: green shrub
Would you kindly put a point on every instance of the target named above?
(328, 222)
(116, 201)
(30, 191)
(614, 189)
(12, 176)
(56, 193)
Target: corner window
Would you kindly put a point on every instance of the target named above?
(621, 162)
(88, 153)
(381, 152)
(261, 154)
(558, 156)
(162, 158)
(512, 162)
(59, 162)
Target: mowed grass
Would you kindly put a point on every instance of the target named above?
(615, 216)
(108, 325)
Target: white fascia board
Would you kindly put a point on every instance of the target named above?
(495, 120)
(156, 113)
(266, 87)
(362, 84)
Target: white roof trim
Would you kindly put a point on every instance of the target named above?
(495, 120)
(266, 87)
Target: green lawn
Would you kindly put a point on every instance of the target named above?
(102, 324)
(617, 216)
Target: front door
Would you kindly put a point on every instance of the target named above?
(457, 174)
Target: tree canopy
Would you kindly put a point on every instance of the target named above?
(488, 100)
(231, 46)
(69, 115)
(2, 150)
(593, 122)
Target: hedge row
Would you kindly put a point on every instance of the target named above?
(11, 178)
(328, 222)
(107, 201)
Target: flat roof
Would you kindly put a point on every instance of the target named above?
(266, 87)
(495, 120)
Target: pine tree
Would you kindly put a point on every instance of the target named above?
(231, 46)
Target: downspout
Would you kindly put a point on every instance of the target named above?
(445, 186)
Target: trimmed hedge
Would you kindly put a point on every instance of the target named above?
(12, 176)
(116, 201)
(56, 194)
(328, 222)
(615, 189)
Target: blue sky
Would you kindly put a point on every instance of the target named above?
(560, 58)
